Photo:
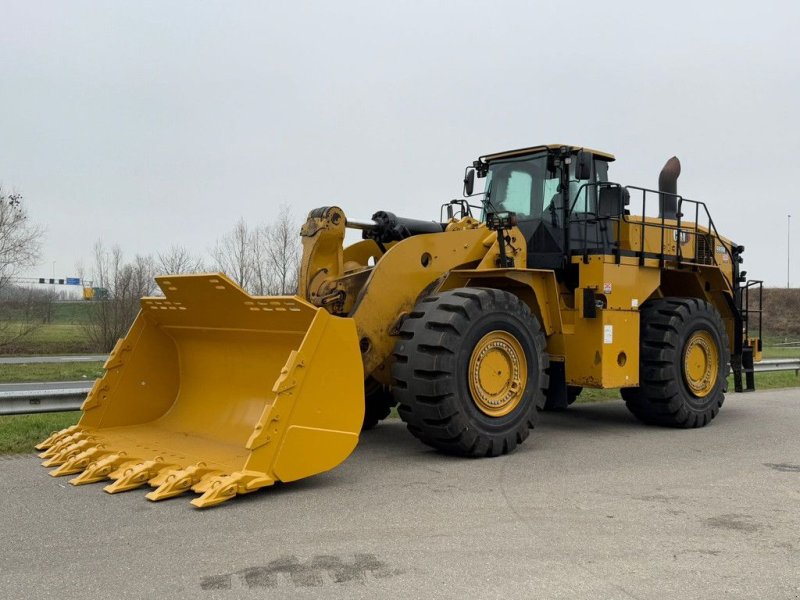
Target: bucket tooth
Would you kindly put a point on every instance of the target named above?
(101, 468)
(62, 443)
(55, 436)
(222, 488)
(137, 476)
(78, 462)
(51, 451)
(219, 490)
(177, 482)
(205, 483)
(119, 470)
(166, 474)
(66, 453)
(200, 469)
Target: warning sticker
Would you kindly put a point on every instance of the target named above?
(634, 302)
(608, 334)
(607, 287)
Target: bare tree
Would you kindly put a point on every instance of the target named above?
(177, 261)
(22, 311)
(259, 263)
(46, 300)
(232, 254)
(283, 253)
(122, 285)
(80, 270)
(142, 276)
(20, 241)
(263, 260)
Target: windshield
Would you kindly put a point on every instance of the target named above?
(523, 186)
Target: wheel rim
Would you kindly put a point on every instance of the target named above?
(498, 373)
(701, 363)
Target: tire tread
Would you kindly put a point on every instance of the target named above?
(424, 371)
(661, 398)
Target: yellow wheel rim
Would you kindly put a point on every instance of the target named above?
(701, 363)
(498, 373)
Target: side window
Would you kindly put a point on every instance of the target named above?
(601, 170)
(581, 196)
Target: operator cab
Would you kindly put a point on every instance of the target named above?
(559, 194)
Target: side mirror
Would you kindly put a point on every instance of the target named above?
(583, 165)
(469, 181)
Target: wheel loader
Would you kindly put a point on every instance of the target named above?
(550, 280)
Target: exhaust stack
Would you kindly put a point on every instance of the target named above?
(668, 184)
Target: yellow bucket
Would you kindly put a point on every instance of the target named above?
(218, 392)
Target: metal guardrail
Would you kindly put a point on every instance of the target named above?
(52, 359)
(26, 402)
(23, 402)
(778, 364)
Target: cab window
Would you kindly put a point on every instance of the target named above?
(524, 186)
(583, 196)
(527, 187)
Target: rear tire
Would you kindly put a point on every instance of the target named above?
(469, 371)
(683, 364)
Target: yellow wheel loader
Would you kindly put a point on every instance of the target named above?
(550, 280)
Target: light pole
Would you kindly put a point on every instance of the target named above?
(788, 246)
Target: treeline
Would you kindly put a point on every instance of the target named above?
(781, 316)
(21, 310)
(262, 258)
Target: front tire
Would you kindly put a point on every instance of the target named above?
(683, 364)
(469, 371)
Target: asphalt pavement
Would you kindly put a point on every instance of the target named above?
(594, 505)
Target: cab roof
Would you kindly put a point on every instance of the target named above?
(523, 151)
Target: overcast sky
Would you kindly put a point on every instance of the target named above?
(148, 124)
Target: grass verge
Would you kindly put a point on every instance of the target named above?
(764, 381)
(56, 338)
(20, 433)
(50, 372)
(781, 352)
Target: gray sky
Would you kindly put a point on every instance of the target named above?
(153, 123)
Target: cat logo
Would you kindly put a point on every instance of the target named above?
(682, 235)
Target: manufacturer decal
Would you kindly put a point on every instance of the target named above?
(683, 235)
